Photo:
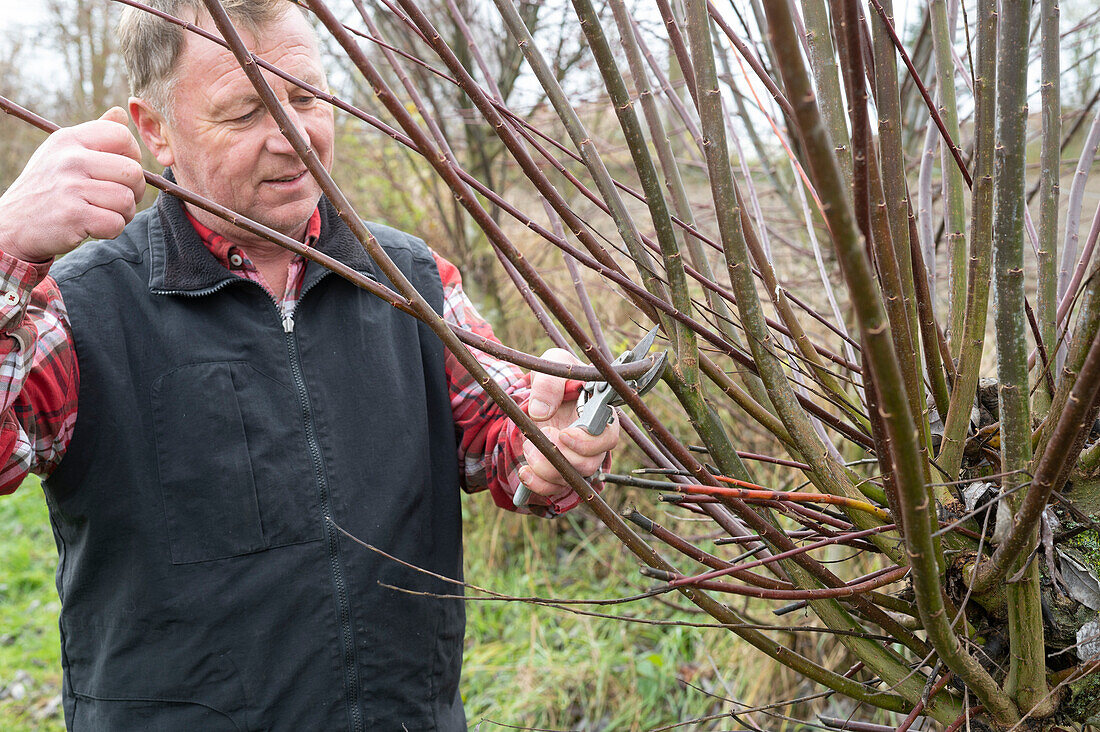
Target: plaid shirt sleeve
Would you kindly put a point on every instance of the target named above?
(39, 383)
(38, 373)
(490, 446)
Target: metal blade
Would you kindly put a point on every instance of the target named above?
(650, 378)
(638, 352)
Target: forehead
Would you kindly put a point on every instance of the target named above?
(210, 71)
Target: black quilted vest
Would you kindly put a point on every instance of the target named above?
(203, 580)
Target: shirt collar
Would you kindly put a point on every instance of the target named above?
(222, 248)
(180, 263)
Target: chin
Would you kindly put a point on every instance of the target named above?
(291, 219)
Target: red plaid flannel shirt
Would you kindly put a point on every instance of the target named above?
(39, 378)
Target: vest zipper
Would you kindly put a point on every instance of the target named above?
(332, 539)
(195, 293)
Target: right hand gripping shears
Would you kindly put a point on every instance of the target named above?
(598, 408)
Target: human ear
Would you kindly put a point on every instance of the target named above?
(153, 130)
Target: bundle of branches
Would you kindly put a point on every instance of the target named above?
(978, 498)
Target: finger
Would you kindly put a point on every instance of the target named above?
(540, 487)
(540, 465)
(546, 492)
(531, 453)
(115, 168)
(108, 134)
(115, 114)
(101, 223)
(548, 392)
(539, 475)
(111, 197)
(584, 464)
(581, 443)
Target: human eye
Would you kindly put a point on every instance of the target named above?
(248, 116)
(304, 99)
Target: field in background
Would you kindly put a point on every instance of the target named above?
(525, 665)
(30, 663)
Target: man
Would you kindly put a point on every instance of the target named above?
(211, 413)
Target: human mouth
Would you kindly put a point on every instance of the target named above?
(286, 180)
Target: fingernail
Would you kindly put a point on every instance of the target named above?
(538, 409)
(568, 439)
(525, 475)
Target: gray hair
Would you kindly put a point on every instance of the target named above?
(151, 46)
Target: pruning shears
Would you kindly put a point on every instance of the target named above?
(600, 399)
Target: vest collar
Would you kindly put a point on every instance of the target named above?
(180, 263)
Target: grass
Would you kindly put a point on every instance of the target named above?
(536, 666)
(533, 666)
(30, 657)
(525, 666)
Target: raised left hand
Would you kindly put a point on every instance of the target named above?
(554, 408)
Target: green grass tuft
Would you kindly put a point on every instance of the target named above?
(525, 665)
(30, 656)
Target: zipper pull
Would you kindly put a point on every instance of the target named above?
(288, 323)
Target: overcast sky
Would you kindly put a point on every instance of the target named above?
(20, 20)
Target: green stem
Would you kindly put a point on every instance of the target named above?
(1085, 332)
(777, 294)
(583, 141)
(1049, 165)
(957, 420)
(675, 185)
(819, 38)
(757, 411)
(874, 225)
(1026, 682)
(882, 659)
(943, 34)
(879, 352)
(1050, 472)
(830, 473)
(926, 318)
(687, 362)
(762, 153)
(892, 158)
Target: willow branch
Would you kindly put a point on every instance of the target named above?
(630, 38)
(684, 456)
(735, 246)
(827, 78)
(957, 418)
(583, 141)
(878, 349)
(471, 339)
(1050, 160)
(942, 36)
(1054, 466)
(937, 119)
(1026, 682)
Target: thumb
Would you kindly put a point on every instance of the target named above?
(548, 392)
(116, 114)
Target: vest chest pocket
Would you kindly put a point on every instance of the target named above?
(234, 467)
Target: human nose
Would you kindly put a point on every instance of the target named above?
(277, 142)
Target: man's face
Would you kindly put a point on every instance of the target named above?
(226, 147)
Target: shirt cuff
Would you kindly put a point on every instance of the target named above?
(17, 281)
